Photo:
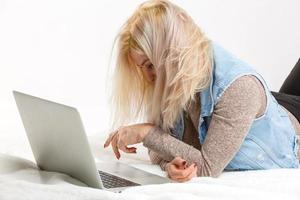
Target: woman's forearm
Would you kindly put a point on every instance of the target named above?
(168, 147)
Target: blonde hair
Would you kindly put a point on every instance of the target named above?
(180, 54)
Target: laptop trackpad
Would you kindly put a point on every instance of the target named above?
(131, 173)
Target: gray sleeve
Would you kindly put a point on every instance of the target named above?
(156, 159)
(233, 115)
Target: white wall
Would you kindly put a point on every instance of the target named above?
(59, 49)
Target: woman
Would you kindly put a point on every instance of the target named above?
(206, 110)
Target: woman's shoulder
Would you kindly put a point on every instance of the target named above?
(246, 90)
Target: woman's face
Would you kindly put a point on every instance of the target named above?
(146, 66)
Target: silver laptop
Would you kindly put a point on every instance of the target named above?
(59, 143)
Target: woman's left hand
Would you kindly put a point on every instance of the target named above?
(127, 135)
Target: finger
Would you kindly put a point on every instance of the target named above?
(186, 178)
(189, 177)
(114, 146)
(175, 171)
(178, 161)
(181, 173)
(130, 150)
(124, 148)
(192, 175)
(182, 177)
(109, 139)
(121, 144)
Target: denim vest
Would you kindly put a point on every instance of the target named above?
(271, 141)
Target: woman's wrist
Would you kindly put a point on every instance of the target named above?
(166, 165)
(146, 130)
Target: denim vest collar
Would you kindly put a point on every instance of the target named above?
(206, 99)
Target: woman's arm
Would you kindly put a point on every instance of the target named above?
(232, 118)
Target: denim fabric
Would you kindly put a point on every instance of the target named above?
(271, 141)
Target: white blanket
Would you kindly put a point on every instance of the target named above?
(20, 179)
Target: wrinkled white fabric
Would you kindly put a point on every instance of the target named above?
(20, 179)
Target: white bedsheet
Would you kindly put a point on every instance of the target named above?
(20, 179)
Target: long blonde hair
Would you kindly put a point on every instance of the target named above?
(181, 56)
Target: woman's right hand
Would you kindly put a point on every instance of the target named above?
(178, 170)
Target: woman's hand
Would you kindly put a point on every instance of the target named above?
(127, 135)
(178, 170)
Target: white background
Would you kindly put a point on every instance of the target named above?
(60, 49)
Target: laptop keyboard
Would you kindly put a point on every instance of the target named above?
(112, 181)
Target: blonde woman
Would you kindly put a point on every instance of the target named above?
(205, 111)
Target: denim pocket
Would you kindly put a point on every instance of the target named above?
(242, 162)
(253, 156)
